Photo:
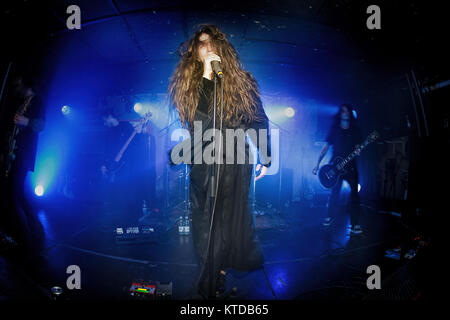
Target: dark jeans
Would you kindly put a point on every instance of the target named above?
(352, 178)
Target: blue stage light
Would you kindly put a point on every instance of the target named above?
(39, 190)
(355, 115)
(346, 186)
(65, 110)
(289, 112)
(48, 160)
(138, 107)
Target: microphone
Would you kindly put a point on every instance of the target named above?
(217, 68)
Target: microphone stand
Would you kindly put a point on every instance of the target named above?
(213, 192)
(212, 196)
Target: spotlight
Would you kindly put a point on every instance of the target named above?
(289, 112)
(65, 110)
(355, 115)
(137, 107)
(359, 187)
(39, 190)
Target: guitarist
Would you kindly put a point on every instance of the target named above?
(344, 136)
(128, 176)
(24, 111)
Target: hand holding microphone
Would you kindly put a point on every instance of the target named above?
(213, 63)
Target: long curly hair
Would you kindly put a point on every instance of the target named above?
(241, 92)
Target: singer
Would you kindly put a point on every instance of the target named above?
(191, 91)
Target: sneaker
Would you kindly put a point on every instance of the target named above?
(356, 229)
(327, 222)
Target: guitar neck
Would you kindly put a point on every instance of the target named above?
(21, 111)
(353, 154)
(142, 122)
(125, 146)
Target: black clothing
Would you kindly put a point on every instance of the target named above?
(352, 178)
(343, 142)
(234, 240)
(19, 219)
(27, 138)
(205, 92)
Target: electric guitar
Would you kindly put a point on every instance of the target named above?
(330, 173)
(111, 172)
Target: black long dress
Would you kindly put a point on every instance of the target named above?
(233, 235)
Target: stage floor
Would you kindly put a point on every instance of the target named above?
(303, 259)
